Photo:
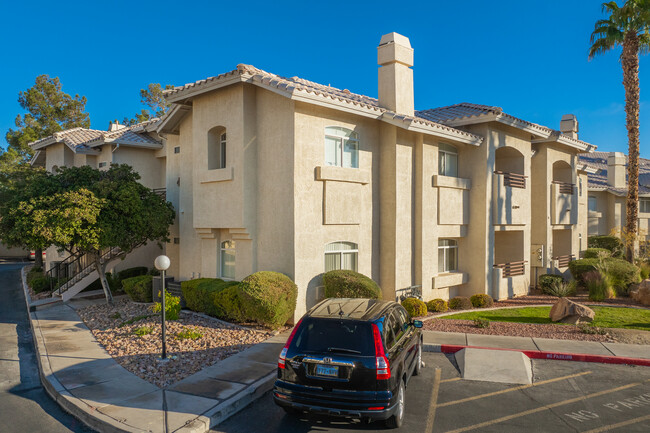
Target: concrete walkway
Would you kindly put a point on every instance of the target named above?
(433, 340)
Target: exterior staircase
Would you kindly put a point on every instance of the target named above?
(77, 272)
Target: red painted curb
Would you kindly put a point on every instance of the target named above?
(560, 356)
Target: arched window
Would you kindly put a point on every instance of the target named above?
(447, 255)
(341, 147)
(228, 259)
(447, 160)
(217, 148)
(341, 255)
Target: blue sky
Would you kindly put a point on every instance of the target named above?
(528, 57)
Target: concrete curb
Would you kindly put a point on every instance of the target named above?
(57, 391)
(535, 354)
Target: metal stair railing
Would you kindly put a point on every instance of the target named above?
(67, 273)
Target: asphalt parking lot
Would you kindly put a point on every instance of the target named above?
(564, 397)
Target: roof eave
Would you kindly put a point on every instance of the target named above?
(170, 122)
(441, 131)
(197, 89)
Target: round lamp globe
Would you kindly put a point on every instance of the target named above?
(161, 263)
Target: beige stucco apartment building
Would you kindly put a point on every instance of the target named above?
(139, 145)
(284, 174)
(608, 193)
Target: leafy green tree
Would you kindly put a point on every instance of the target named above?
(20, 186)
(627, 26)
(94, 210)
(154, 99)
(49, 110)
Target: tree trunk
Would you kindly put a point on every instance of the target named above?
(630, 64)
(101, 271)
(38, 259)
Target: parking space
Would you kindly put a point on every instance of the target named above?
(564, 397)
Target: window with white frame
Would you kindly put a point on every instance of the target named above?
(447, 160)
(341, 255)
(592, 203)
(227, 253)
(341, 147)
(217, 148)
(447, 255)
(644, 205)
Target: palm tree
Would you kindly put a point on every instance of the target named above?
(627, 26)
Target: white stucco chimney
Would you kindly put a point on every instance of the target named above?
(616, 170)
(569, 125)
(115, 126)
(395, 57)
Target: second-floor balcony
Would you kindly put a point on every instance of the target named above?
(511, 198)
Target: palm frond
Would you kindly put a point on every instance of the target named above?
(600, 46)
(610, 7)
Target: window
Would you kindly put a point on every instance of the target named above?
(177, 149)
(644, 205)
(580, 186)
(447, 255)
(593, 203)
(228, 259)
(217, 148)
(447, 160)
(341, 255)
(102, 164)
(341, 147)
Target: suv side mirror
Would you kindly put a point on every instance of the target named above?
(417, 323)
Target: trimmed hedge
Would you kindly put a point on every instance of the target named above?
(132, 272)
(415, 307)
(546, 281)
(611, 243)
(228, 303)
(580, 267)
(40, 283)
(460, 303)
(139, 288)
(481, 300)
(349, 284)
(268, 298)
(213, 296)
(437, 306)
(195, 299)
(594, 253)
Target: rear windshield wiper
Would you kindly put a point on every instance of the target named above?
(341, 349)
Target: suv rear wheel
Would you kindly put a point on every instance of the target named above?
(397, 419)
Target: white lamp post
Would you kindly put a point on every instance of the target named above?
(162, 264)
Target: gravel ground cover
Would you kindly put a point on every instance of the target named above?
(114, 327)
(563, 332)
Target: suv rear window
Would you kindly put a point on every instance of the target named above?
(318, 335)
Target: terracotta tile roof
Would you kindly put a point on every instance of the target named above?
(598, 180)
(79, 139)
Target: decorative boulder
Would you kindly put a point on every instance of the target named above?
(642, 293)
(568, 311)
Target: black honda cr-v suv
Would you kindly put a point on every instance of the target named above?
(350, 358)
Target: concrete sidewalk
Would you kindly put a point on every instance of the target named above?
(434, 340)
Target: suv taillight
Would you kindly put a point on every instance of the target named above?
(381, 362)
(283, 353)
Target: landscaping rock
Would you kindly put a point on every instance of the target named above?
(568, 311)
(642, 293)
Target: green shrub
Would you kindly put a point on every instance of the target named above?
(114, 283)
(415, 307)
(481, 323)
(189, 334)
(545, 281)
(437, 306)
(622, 273)
(36, 271)
(142, 331)
(197, 299)
(350, 284)
(481, 300)
(580, 267)
(227, 303)
(268, 298)
(594, 253)
(40, 283)
(172, 305)
(611, 243)
(588, 328)
(644, 270)
(139, 288)
(562, 289)
(131, 272)
(599, 286)
(460, 303)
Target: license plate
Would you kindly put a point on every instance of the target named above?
(327, 370)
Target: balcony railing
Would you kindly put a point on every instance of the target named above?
(565, 188)
(161, 192)
(512, 269)
(513, 180)
(563, 261)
